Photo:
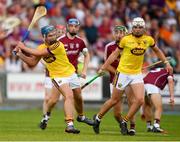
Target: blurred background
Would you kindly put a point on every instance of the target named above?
(19, 83)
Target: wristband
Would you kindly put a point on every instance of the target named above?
(166, 62)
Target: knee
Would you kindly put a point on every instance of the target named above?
(52, 101)
(77, 97)
(46, 99)
(140, 101)
(159, 108)
(69, 96)
(114, 101)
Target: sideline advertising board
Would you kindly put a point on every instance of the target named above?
(25, 86)
(31, 86)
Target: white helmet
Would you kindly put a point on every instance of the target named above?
(138, 21)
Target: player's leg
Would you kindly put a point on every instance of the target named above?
(116, 95)
(48, 86)
(137, 87)
(46, 98)
(117, 109)
(53, 98)
(68, 108)
(130, 100)
(147, 107)
(62, 85)
(78, 100)
(157, 103)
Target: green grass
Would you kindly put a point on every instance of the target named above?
(22, 125)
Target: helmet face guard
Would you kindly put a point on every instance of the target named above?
(138, 26)
(75, 23)
(45, 31)
(138, 22)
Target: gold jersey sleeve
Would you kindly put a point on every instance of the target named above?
(57, 62)
(133, 53)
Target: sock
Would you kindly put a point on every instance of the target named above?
(48, 113)
(97, 118)
(148, 124)
(157, 121)
(82, 117)
(70, 123)
(125, 119)
(132, 125)
(100, 116)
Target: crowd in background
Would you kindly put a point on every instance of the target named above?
(97, 18)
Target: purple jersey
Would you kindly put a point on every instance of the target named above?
(109, 48)
(158, 77)
(73, 48)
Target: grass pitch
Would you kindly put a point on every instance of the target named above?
(22, 125)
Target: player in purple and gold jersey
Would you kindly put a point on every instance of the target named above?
(61, 71)
(132, 48)
(155, 81)
(118, 32)
(74, 45)
(48, 83)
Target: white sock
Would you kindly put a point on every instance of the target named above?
(97, 118)
(46, 117)
(156, 125)
(70, 123)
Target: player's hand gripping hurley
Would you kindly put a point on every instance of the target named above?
(39, 12)
(156, 63)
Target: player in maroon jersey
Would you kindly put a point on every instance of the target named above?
(74, 45)
(155, 81)
(118, 32)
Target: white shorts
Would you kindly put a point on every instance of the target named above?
(151, 89)
(121, 80)
(73, 81)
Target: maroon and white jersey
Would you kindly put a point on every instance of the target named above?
(158, 77)
(73, 48)
(109, 48)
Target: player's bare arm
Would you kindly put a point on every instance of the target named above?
(161, 56)
(110, 59)
(171, 90)
(35, 52)
(111, 69)
(30, 60)
(86, 62)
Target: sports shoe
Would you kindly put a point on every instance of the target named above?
(120, 123)
(96, 125)
(71, 129)
(157, 130)
(43, 123)
(124, 130)
(132, 132)
(86, 120)
(149, 128)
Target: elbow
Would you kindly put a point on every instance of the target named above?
(32, 65)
